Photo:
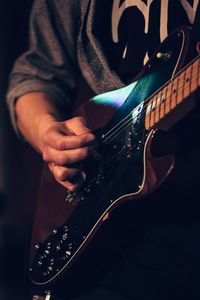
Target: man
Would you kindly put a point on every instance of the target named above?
(106, 42)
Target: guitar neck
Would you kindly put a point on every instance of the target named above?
(172, 94)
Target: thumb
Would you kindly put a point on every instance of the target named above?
(78, 126)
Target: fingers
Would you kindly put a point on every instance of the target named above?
(70, 134)
(77, 126)
(65, 145)
(70, 178)
(67, 157)
(60, 141)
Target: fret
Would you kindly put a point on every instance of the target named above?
(183, 86)
(158, 103)
(190, 77)
(180, 88)
(164, 99)
(168, 98)
(152, 113)
(194, 76)
(161, 111)
(187, 81)
(148, 115)
(174, 92)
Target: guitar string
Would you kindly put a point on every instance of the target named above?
(113, 131)
(130, 122)
(125, 126)
(130, 118)
(121, 129)
(161, 88)
(104, 136)
(133, 146)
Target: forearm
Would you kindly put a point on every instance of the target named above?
(34, 112)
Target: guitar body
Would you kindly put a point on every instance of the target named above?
(126, 166)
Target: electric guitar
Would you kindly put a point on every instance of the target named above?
(122, 168)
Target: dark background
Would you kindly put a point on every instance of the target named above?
(19, 164)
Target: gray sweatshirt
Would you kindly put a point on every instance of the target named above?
(61, 46)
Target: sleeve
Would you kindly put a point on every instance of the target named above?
(50, 63)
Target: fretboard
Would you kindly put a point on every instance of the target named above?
(172, 94)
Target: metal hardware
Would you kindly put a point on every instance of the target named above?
(164, 55)
(48, 295)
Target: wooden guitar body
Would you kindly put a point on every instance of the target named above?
(122, 168)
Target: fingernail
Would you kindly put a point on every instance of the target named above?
(90, 137)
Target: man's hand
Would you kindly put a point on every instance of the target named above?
(64, 146)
